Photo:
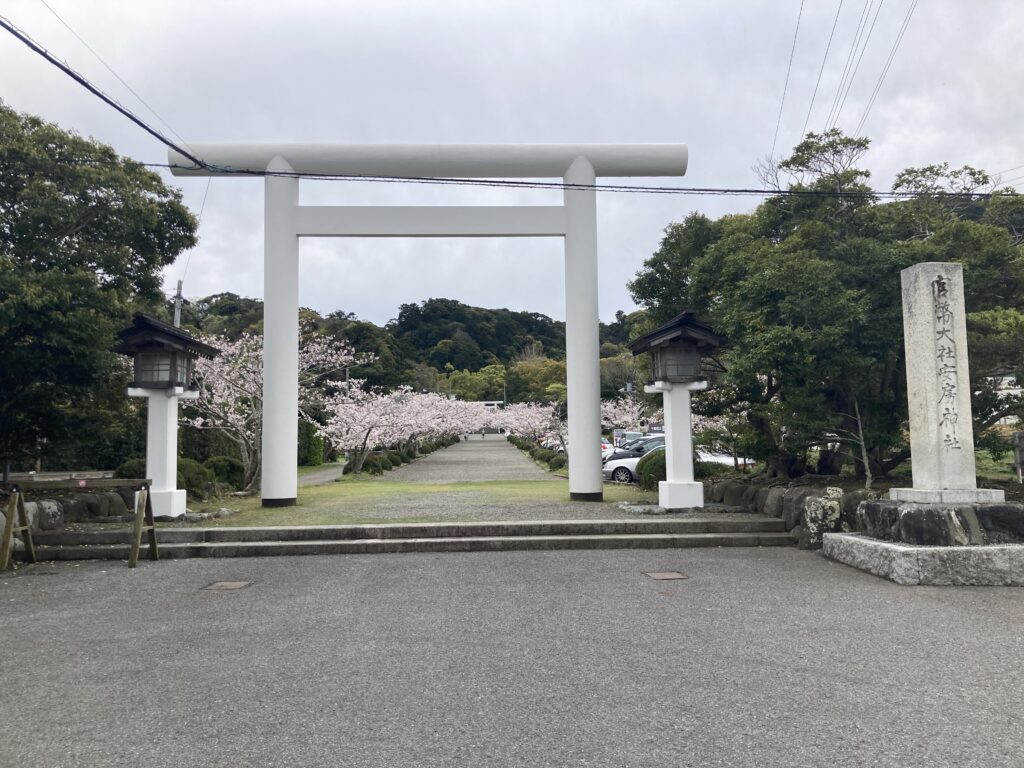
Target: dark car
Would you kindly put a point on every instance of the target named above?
(639, 448)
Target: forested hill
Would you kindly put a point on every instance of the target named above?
(442, 334)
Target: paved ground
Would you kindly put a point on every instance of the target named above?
(762, 658)
(489, 458)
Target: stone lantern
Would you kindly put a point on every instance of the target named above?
(676, 349)
(163, 358)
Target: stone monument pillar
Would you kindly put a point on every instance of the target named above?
(938, 388)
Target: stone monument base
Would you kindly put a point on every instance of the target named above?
(907, 564)
(980, 544)
(948, 496)
(942, 524)
(675, 495)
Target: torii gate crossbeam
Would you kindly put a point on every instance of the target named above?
(285, 221)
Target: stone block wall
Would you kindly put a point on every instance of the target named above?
(807, 510)
(53, 513)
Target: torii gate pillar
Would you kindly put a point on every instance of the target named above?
(285, 221)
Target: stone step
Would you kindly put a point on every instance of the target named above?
(756, 524)
(431, 544)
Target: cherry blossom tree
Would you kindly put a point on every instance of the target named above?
(623, 412)
(360, 420)
(531, 421)
(231, 389)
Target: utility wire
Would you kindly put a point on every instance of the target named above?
(828, 46)
(888, 64)
(506, 183)
(785, 86)
(6, 24)
(856, 68)
(199, 221)
(864, 12)
(111, 71)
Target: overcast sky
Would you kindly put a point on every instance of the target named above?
(709, 74)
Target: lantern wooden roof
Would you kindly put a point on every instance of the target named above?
(683, 328)
(146, 332)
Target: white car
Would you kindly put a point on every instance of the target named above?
(624, 470)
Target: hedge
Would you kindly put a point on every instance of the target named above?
(226, 469)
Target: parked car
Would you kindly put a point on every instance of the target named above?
(623, 470)
(625, 445)
(637, 450)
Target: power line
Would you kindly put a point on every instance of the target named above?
(111, 71)
(506, 183)
(828, 46)
(888, 64)
(865, 10)
(559, 185)
(785, 86)
(199, 221)
(856, 68)
(6, 24)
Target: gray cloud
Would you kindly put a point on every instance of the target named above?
(709, 74)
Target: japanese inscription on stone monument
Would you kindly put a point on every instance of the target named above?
(946, 364)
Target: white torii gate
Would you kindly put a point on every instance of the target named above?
(285, 221)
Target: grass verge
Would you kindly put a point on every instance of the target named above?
(360, 499)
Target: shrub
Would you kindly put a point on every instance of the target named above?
(558, 461)
(395, 457)
(384, 462)
(311, 445)
(226, 470)
(709, 469)
(372, 465)
(133, 469)
(195, 478)
(543, 454)
(650, 470)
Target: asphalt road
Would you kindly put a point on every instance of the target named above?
(762, 658)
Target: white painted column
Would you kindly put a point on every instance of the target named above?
(162, 448)
(280, 339)
(582, 345)
(679, 490)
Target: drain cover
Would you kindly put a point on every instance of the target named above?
(224, 586)
(666, 575)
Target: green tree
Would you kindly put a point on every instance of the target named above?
(83, 236)
(806, 290)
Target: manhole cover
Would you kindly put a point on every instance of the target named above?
(225, 586)
(666, 575)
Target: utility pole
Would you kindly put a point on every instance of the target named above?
(177, 307)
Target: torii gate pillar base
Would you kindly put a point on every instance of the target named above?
(279, 502)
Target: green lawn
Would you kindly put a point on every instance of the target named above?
(353, 500)
(326, 465)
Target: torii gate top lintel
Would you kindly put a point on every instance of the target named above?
(536, 161)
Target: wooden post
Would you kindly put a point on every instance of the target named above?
(16, 507)
(143, 522)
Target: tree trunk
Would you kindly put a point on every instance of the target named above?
(830, 462)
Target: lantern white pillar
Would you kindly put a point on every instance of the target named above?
(280, 338)
(582, 344)
(678, 490)
(162, 448)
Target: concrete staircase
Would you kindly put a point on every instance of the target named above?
(420, 537)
